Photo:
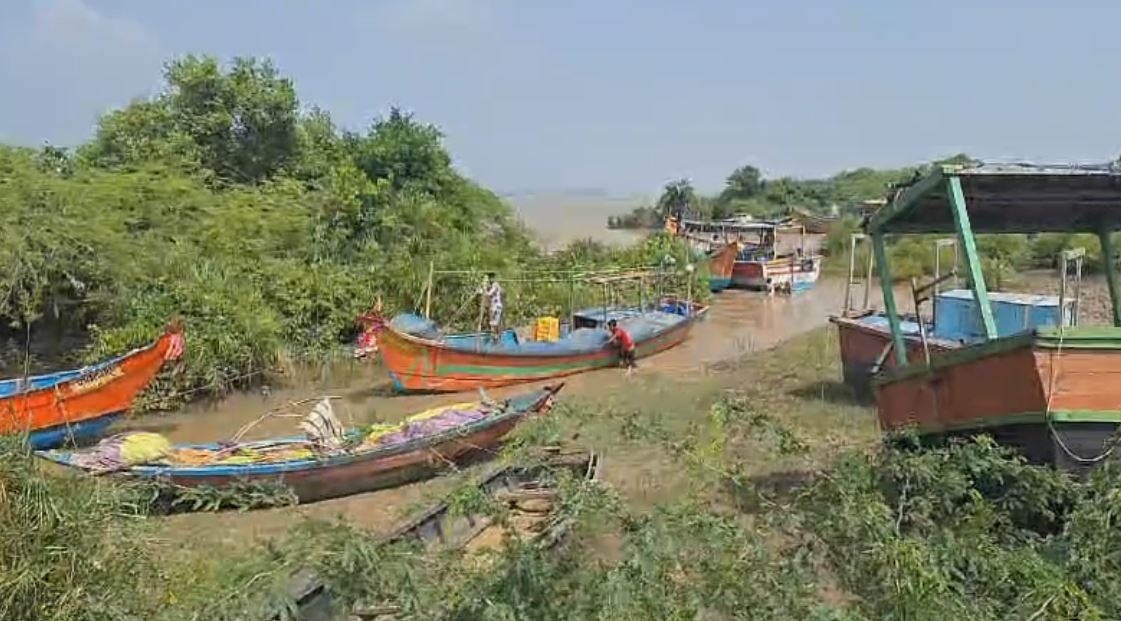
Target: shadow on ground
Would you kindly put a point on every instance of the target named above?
(830, 391)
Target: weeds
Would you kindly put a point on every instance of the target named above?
(963, 530)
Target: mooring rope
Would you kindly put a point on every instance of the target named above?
(1053, 374)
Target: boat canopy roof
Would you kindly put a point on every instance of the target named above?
(738, 225)
(1007, 198)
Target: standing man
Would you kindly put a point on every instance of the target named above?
(492, 291)
(622, 339)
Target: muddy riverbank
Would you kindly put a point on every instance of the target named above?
(739, 323)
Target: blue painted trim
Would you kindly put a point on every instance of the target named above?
(397, 385)
(719, 284)
(58, 435)
(12, 387)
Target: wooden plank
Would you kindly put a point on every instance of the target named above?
(903, 203)
(972, 260)
(889, 300)
(1109, 258)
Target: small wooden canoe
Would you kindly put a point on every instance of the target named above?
(422, 446)
(420, 360)
(439, 527)
(75, 405)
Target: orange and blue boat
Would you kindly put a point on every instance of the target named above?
(720, 263)
(79, 404)
(419, 359)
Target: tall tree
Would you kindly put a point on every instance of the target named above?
(745, 182)
(404, 151)
(678, 199)
(240, 124)
(243, 121)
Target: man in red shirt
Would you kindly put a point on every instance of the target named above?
(622, 339)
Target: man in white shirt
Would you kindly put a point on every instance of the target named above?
(493, 293)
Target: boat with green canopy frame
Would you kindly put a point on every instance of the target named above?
(1051, 388)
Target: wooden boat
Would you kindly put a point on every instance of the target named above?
(385, 456)
(720, 264)
(790, 273)
(439, 527)
(714, 249)
(813, 223)
(75, 405)
(419, 359)
(864, 333)
(865, 343)
(1028, 374)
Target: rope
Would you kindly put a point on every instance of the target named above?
(277, 412)
(1052, 379)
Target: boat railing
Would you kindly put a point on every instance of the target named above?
(852, 280)
(946, 242)
(921, 294)
(1068, 259)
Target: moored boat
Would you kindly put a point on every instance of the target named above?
(791, 273)
(420, 359)
(864, 333)
(529, 493)
(76, 405)
(1024, 371)
(720, 262)
(762, 266)
(367, 459)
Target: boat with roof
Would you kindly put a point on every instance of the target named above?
(761, 261)
(1016, 366)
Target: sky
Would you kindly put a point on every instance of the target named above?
(614, 95)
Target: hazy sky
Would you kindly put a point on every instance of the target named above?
(615, 94)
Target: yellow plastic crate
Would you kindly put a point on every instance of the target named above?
(546, 329)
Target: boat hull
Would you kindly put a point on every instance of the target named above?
(441, 527)
(86, 401)
(720, 266)
(422, 365)
(336, 478)
(716, 285)
(1057, 398)
(777, 274)
(862, 343)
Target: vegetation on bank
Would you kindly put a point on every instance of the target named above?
(266, 227)
(1002, 256)
(772, 520)
(747, 192)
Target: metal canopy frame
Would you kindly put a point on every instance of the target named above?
(999, 198)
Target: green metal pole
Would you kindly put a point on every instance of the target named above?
(972, 260)
(1109, 258)
(900, 345)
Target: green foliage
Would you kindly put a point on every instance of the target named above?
(70, 549)
(267, 230)
(965, 529)
(166, 497)
(238, 124)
